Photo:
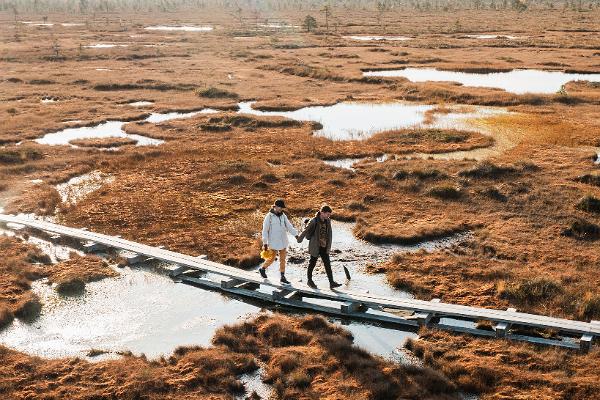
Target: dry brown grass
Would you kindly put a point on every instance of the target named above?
(500, 369)
(41, 199)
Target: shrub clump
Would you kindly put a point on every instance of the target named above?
(495, 194)
(269, 178)
(6, 317)
(217, 93)
(487, 170)
(19, 156)
(530, 290)
(71, 287)
(590, 179)
(29, 308)
(427, 174)
(590, 309)
(445, 192)
(582, 230)
(236, 179)
(356, 206)
(589, 203)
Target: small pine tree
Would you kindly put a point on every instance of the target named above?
(310, 23)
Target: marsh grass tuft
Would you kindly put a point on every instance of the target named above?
(530, 290)
(216, 93)
(589, 203)
(445, 192)
(582, 230)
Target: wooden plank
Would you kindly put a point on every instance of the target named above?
(370, 300)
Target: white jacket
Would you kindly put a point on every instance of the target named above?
(274, 232)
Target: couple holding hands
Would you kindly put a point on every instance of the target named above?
(276, 225)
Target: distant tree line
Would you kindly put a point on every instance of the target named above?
(380, 6)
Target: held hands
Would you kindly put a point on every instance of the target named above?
(298, 239)
(266, 247)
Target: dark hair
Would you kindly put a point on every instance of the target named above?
(279, 203)
(326, 209)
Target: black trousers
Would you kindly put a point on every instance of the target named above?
(326, 261)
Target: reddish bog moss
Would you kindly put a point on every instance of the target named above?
(190, 373)
(16, 274)
(310, 358)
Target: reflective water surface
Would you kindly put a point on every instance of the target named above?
(516, 81)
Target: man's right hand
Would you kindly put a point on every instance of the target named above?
(266, 247)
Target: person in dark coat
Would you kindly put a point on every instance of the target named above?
(319, 234)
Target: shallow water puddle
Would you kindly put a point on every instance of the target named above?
(186, 28)
(359, 121)
(140, 310)
(140, 103)
(275, 25)
(156, 118)
(348, 163)
(110, 129)
(517, 81)
(80, 186)
(254, 384)
(105, 46)
(104, 130)
(33, 23)
(65, 24)
(493, 37)
(377, 38)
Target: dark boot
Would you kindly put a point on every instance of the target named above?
(283, 280)
(334, 284)
(311, 284)
(262, 272)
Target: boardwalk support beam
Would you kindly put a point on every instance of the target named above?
(136, 259)
(231, 283)
(293, 295)
(248, 286)
(502, 329)
(351, 307)
(178, 271)
(585, 343)
(91, 247)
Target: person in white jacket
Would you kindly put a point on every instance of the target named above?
(276, 225)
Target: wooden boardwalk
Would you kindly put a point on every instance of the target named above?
(408, 312)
